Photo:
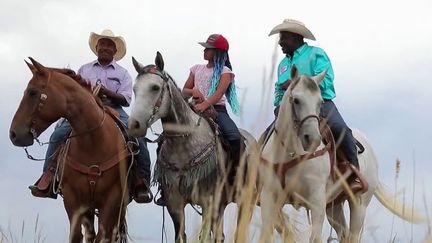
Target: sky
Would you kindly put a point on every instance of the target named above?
(381, 53)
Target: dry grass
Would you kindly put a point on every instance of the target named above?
(25, 232)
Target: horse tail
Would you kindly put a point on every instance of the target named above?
(397, 207)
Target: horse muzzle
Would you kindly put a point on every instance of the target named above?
(310, 142)
(21, 137)
(136, 129)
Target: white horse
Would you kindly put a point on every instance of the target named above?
(308, 183)
(191, 164)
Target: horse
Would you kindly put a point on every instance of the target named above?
(296, 168)
(93, 165)
(191, 163)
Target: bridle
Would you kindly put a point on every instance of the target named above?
(298, 123)
(42, 99)
(165, 77)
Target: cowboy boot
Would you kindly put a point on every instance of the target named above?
(355, 184)
(43, 186)
(161, 200)
(142, 192)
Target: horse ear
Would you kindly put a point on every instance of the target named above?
(320, 77)
(32, 68)
(138, 66)
(294, 72)
(159, 61)
(38, 67)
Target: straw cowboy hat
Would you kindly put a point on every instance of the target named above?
(108, 34)
(293, 26)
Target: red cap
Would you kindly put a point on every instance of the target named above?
(216, 41)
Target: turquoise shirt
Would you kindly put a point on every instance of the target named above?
(310, 60)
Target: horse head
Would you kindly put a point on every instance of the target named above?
(39, 107)
(152, 96)
(300, 108)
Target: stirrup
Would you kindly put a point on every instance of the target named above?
(47, 193)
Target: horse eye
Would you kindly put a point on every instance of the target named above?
(32, 93)
(155, 88)
(296, 101)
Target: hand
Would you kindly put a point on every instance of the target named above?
(201, 107)
(197, 95)
(286, 84)
(103, 92)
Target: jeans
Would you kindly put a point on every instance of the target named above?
(339, 128)
(229, 130)
(63, 128)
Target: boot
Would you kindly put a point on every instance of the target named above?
(355, 184)
(142, 192)
(161, 200)
(43, 186)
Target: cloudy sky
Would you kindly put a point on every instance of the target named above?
(381, 53)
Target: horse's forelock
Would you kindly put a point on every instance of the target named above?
(148, 69)
(309, 83)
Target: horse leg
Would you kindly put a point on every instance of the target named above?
(283, 228)
(270, 207)
(336, 218)
(244, 217)
(357, 216)
(217, 224)
(75, 215)
(318, 205)
(207, 222)
(108, 225)
(88, 222)
(177, 214)
(111, 217)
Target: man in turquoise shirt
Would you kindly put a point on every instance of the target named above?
(311, 60)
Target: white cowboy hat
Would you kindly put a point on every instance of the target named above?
(108, 34)
(293, 26)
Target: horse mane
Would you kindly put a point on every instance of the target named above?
(82, 82)
(72, 74)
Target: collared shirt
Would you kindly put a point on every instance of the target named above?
(310, 60)
(113, 76)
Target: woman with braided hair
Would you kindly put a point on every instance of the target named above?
(212, 84)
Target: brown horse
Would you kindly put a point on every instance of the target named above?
(94, 166)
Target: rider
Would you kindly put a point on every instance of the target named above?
(311, 60)
(116, 91)
(212, 84)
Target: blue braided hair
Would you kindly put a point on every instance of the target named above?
(221, 59)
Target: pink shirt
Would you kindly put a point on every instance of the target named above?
(114, 77)
(202, 79)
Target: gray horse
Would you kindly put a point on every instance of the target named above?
(192, 165)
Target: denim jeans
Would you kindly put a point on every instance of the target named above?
(229, 130)
(339, 128)
(63, 128)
